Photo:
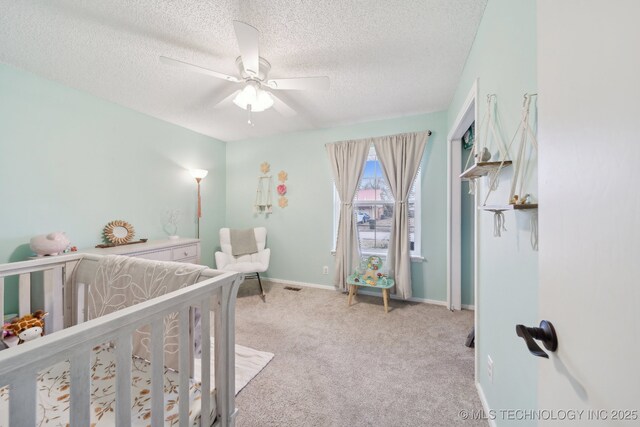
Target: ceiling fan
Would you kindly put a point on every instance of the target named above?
(257, 94)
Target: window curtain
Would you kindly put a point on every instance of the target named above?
(347, 160)
(400, 157)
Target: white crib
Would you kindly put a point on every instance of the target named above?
(214, 294)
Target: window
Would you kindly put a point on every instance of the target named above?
(373, 207)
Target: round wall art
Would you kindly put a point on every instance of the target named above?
(119, 232)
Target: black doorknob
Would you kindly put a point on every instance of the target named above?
(545, 333)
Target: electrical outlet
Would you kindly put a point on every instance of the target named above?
(325, 269)
(490, 368)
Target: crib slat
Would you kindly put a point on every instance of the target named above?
(24, 294)
(205, 375)
(47, 288)
(53, 299)
(184, 356)
(157, 373)
(22, 401)
(2, 299)
(123, 380)
(224, 356)
(69, 318)
(57, 304)
(80, 411)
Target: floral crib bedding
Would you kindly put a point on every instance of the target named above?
(54, 394)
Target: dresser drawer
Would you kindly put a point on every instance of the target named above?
(185, 252)
(157, 256)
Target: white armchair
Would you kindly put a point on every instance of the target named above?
(251, 265)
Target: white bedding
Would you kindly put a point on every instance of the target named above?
(53, 394)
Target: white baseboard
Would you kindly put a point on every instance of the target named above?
(360, 291)
(429, 301)
(412, 299)
(303, 284)
(468, 307)
(485, 405)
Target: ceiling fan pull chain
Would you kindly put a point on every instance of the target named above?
(249, 111)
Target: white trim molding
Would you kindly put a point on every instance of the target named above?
(295, 283)
(414, 258)
(468, 307)
(485, 405)
(466, 116)
(360, 291)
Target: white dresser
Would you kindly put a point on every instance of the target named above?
(179, 250)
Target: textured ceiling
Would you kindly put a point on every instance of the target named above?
(384, 58)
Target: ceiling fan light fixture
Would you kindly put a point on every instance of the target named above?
(252, 95)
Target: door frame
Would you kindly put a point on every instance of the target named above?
(466, 116)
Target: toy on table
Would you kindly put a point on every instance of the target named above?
(27, 327)
(370, 273)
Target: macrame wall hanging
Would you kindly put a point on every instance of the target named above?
(518, 197)
(263, 202)
(488, 134)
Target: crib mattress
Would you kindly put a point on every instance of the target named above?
(54, 394)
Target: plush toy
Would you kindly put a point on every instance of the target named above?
(28, 327)
(5, 331)
(49, 244)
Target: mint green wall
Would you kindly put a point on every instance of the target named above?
(503, 57)
(300, 236)
(72, 162)
(467, 211)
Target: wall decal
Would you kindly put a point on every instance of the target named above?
(283, 201)
(265, 167)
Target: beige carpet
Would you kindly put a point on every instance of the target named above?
(353, 366)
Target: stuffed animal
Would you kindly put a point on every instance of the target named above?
(28, 327)
(483, 156)
(49, 244)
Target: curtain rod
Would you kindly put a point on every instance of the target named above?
(428, 134)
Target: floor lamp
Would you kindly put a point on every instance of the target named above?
(199, 174)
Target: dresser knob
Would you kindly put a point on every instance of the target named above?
(186, 253)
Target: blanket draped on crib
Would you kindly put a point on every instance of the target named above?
(122, 281)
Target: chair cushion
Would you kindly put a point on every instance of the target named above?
(245, 267)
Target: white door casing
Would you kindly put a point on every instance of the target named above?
(467, 115)
(589, 115)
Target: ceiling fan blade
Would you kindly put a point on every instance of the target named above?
(300, 83)
(223, 96)
(197, 69)
(282, 107)
(249, 49)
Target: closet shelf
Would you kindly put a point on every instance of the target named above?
(482, 169)
(509, 207)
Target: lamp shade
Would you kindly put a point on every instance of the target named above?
(199, 173)
(253, 95)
